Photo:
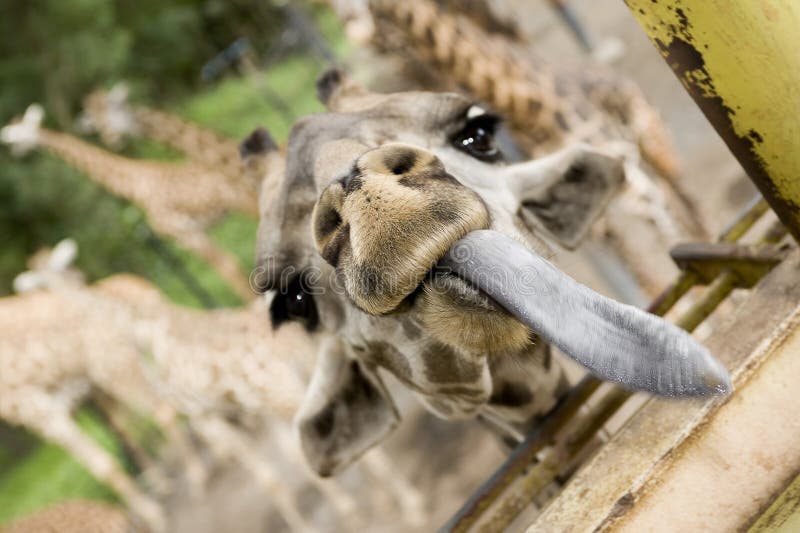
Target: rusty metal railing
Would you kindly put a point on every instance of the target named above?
(548, 451)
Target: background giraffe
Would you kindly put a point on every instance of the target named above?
(110, 114)
(76, 516)
(181, 200)
(120, 337)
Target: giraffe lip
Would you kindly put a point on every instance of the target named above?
(461, 289)
(444, 279)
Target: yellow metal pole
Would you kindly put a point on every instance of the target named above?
(740, 61)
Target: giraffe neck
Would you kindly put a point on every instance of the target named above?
(523, 88)
(117, 173)
(199, 144)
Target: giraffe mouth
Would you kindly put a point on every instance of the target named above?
(614, 341)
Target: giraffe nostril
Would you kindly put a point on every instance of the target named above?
(353, 181)
(396, 159)
(400, 160)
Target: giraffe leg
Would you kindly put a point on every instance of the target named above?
(344, 504)
(196, 471)
(136, 391)
(229, 443)
(121, 420)
(167, 419)
(220, 260)
(51, 417)
(408, 497)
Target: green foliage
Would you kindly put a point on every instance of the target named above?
(43, 201)
(237, 233)
(49, 475)
(55, 52)
(64, 46)
(236, 106)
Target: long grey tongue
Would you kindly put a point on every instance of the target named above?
(616, 342)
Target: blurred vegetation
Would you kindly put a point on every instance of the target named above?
(48, 474)
(55, 52)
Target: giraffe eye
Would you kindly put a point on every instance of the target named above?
(294, 303)
(477, 138)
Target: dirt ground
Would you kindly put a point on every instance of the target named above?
(447, 461)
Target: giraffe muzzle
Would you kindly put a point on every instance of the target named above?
(387, 223)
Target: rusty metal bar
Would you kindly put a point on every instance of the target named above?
(522, 456)
(717, 291)
(751, 213)
(552, 463)
(748, 261)
(525, 454)
(740, 225)
(739, 62)
(540, 475)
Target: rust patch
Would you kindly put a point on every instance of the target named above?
(689, 65)
(621, 507)
(769, 11)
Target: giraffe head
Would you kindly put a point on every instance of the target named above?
(109, 114)
(50, 268)
(397, 228)
(22, 135)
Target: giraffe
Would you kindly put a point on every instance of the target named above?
(548, 107)
(122, 337)
(180, 199)
(110, 114)
(74, 516)
(396, 226)
(496, 17)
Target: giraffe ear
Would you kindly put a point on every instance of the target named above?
(567, 191)
(335, 87)
(258, 143)
(346, 411)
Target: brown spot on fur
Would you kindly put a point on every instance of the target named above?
(444, 212)
(327, 83)
(418, 180)
(387, 357)
(353, 182)
(400, 161)
(511, 394)
(323, 422)
(411, 330)
(411, 183)
(327, 222)
(561, 121)
(444, 365)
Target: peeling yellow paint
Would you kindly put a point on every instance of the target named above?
(740, 59)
